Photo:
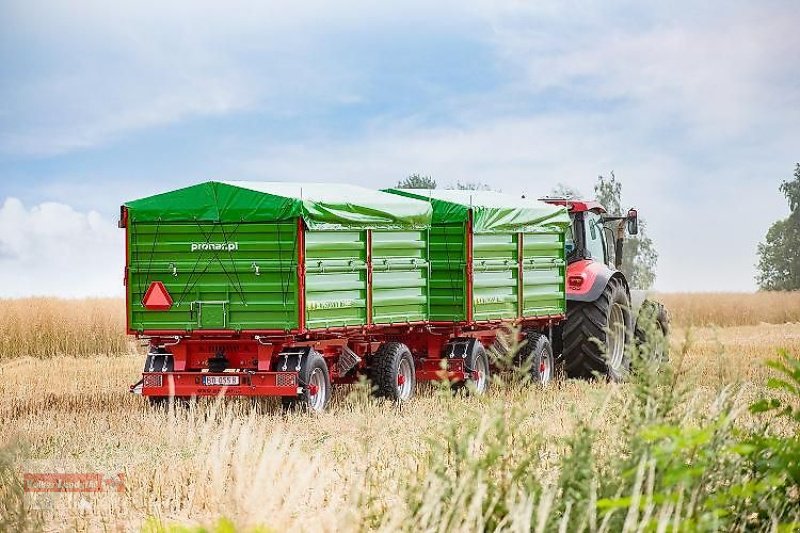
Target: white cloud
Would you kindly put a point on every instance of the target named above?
(51, 249)
(114, 69)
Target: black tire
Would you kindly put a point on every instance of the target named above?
(586, 335)
(315, 381)
(652, 330)
(392, 372)
(537, 356)
(477, 371)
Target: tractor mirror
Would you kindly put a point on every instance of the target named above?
(633, 222)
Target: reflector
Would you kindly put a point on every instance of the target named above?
(157, 297)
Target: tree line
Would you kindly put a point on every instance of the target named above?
(779, 254)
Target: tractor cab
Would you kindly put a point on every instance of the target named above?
(595, 235)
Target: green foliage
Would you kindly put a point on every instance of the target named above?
(639, 253)
(779, 254)
(713, 475)
(791, 189)
(474, 471)
(15, 511)
(417, 181)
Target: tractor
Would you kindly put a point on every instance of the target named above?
(604, 316)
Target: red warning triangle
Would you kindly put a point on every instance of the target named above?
(157, 297)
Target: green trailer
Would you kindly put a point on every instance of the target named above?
(494, 257)
(274, 257)
(280, 289)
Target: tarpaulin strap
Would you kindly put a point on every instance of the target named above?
(208, 264)
(152, 252)
(186, 288)
(233, 262)
(239, 289)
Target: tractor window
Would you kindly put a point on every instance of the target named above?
(595, 246)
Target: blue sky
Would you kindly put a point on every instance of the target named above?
(695, 108)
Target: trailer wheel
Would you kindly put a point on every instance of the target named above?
(392, 372)
(315, 381)
(538, 352)
(596, 335)
(477, 370)
(476, 366)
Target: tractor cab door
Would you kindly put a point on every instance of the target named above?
(595, 238)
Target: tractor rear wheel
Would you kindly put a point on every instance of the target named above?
(392, 372)
(596, 335)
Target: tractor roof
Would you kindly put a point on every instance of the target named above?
(575, 206)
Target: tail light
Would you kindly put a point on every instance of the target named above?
(575, 282)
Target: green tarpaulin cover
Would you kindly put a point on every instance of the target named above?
(491, 211)
(321, 205)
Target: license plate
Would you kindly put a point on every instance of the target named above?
(220, 381)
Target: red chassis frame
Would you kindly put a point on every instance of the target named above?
(255, 357)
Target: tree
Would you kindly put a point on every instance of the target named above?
(562, 190)
(639, 257)
(417, 181)
(779, 254)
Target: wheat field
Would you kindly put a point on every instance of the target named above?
(364, 464)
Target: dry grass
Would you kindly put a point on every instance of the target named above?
(47, 327)
(342, 470)
(732, 308)
(256, 465)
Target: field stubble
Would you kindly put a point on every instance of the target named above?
(348, 469)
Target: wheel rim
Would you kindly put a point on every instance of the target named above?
(405, 380)
(545, 368)
(615, 343)
(317, 390)
(480, 374)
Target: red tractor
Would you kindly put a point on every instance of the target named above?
(604, 317)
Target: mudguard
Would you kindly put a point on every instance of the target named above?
(587, 279)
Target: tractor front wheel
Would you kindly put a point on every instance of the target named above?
(597, 333)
